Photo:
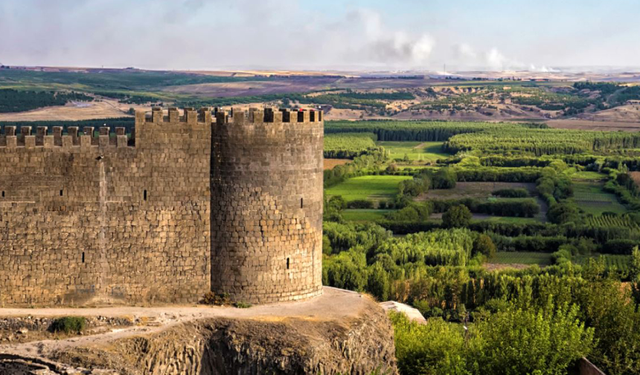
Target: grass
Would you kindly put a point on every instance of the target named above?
(367, 187)
(588, 175)
(364, 215)
(529, 258)
(590, 197)
(509, 219)
(424, 151)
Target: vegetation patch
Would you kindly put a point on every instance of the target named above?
(69, 324)
(591, 198)
(367, 187)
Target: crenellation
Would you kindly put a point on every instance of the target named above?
(48, 141)
(157, 115)
(174, 115)
(204, 115)
(73, 132)
(29, 141)
(67, 141)
(9, 130)
(190, 116)
(85, 141)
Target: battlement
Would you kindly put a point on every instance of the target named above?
(44, 137)
(237, 117)
(266, 116)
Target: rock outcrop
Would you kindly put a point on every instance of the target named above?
(313, 341)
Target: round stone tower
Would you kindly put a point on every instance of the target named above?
(266, 205)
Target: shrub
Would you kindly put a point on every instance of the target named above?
(511, 193)
(68, 324)
(215, 299)
(620, 246)
(242, 305)
(456, 217)
(563, 213)
(485, 246)
(360, 203)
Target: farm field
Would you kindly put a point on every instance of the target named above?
(587, 176)
(367, 187)
(414, 151)
(621, 263)
(475, 190)
(364, 215)
(590, 197)
(528, 258)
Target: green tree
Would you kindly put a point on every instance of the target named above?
(563, 213)
(378, 283)
(525, 341)
(434, 348)
(456, 217)
(485, 246)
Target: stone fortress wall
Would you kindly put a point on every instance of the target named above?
(188, 205)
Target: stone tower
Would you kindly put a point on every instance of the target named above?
(188, 203)
(266, 204)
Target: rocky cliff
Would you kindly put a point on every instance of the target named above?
(360, 342)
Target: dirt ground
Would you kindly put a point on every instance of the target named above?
(332, 304)
(503, 266)
(251, 88)
(635, 176)
(74, 111)
(583, 124)
(330, 163)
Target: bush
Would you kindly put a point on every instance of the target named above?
(456, 217)
(68, 324)
(511, 193)
(563, 213)
(620, 246)
(485, 246)
(215, 299)
(360, 203)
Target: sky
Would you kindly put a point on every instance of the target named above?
(497, 35)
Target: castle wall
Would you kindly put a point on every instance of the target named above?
(232, 205)
(267, 205)
(90, 219)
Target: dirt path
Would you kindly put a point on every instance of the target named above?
(334, 303)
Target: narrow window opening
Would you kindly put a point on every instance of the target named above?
(301, 202)
(83, 257)
(2, 193)
(145, 195)
(61, 192)
(288, 263)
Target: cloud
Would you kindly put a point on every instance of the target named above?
(221, 34)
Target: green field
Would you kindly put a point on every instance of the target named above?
(364, 215)
(421, 151)
(507, 219)
(588, 175)
(590, 197)
(620, 262)
(367, 187)
(509, 257)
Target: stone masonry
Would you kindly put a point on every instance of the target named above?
(186, 205)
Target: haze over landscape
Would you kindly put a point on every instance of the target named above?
(303, 34)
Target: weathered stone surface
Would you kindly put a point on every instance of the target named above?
(194, 205)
